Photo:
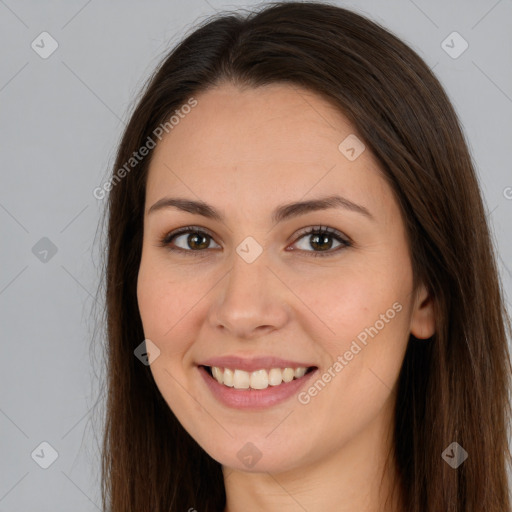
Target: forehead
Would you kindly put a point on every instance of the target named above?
(270, 142)
(258, 124)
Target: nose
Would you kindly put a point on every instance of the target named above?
(250, 301)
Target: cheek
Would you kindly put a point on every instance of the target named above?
(343, 301)
(163, 302)
(163, 305)
(365, 328)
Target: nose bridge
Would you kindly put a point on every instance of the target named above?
(250, 297)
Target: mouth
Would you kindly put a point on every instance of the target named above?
(258, 380)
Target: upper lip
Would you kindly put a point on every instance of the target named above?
(253, 363)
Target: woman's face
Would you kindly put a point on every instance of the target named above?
(254, 291)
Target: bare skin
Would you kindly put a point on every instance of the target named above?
(245, 153)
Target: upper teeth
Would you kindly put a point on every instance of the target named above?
(259, 379)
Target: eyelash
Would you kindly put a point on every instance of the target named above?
(314, 230)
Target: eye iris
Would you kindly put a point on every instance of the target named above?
(319, 239)
(191, 240)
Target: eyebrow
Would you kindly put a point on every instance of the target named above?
(281, 213)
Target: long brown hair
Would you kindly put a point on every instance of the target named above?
(453, 387)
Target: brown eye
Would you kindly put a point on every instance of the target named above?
(321, 241)
(196, 241)
(189, 240)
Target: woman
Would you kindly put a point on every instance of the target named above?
(303, 304)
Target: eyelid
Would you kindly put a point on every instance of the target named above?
(308, 230)
(185, 229)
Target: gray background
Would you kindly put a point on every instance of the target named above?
(61, 119)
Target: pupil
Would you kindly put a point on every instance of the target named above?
(317, 240)
(193, 238)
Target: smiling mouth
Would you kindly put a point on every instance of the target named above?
(256, 380)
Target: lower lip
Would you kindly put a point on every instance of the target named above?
(254, 398)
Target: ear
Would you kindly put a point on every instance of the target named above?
(423, 324)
